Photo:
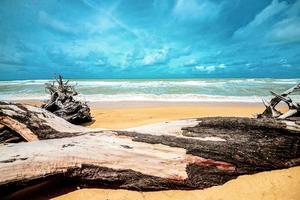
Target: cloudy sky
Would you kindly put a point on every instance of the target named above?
(149, 38)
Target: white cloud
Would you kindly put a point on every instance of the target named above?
(111, 20)
(54, 23)
(155, 56)
(99, 24)
(270, 11)
(210, 68)
(261, 19)
(99, 62)
(192, 61)
(286, 31)
(279, 22)
(193, 9)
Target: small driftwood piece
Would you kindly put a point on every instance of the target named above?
(18, 127)
(9, 136)
(62, 103)
(272, 112)
(183, 154)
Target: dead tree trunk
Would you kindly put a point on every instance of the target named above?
(184, 154)
(272, 112)
(62, 103)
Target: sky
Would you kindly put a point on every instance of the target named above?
(149, 38)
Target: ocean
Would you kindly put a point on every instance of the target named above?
(181, 90)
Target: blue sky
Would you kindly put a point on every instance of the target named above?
(149, 38)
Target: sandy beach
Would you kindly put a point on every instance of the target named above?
(278, 184)
(271, 185)
(150, 100)
(127, 114)
(130, 114)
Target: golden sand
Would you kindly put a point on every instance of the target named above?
(117, 118)
(278, 184)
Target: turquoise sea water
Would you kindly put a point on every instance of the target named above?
(193, 90)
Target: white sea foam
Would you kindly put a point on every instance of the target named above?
(192, 90)
(147, 97)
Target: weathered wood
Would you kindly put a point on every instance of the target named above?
(18, 128)
(63, 104)
(9, 136)
(184, 154)
(272, 112)
(43, 124)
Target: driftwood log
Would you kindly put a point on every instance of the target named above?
(183, 154)
(62, 103)
(272, 112)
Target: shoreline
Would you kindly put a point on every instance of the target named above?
(142, 103)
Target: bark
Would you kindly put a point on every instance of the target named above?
(63, 104)
(183, 154)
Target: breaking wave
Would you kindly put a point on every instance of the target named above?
(192, 90)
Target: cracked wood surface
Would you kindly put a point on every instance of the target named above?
(182, 154)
